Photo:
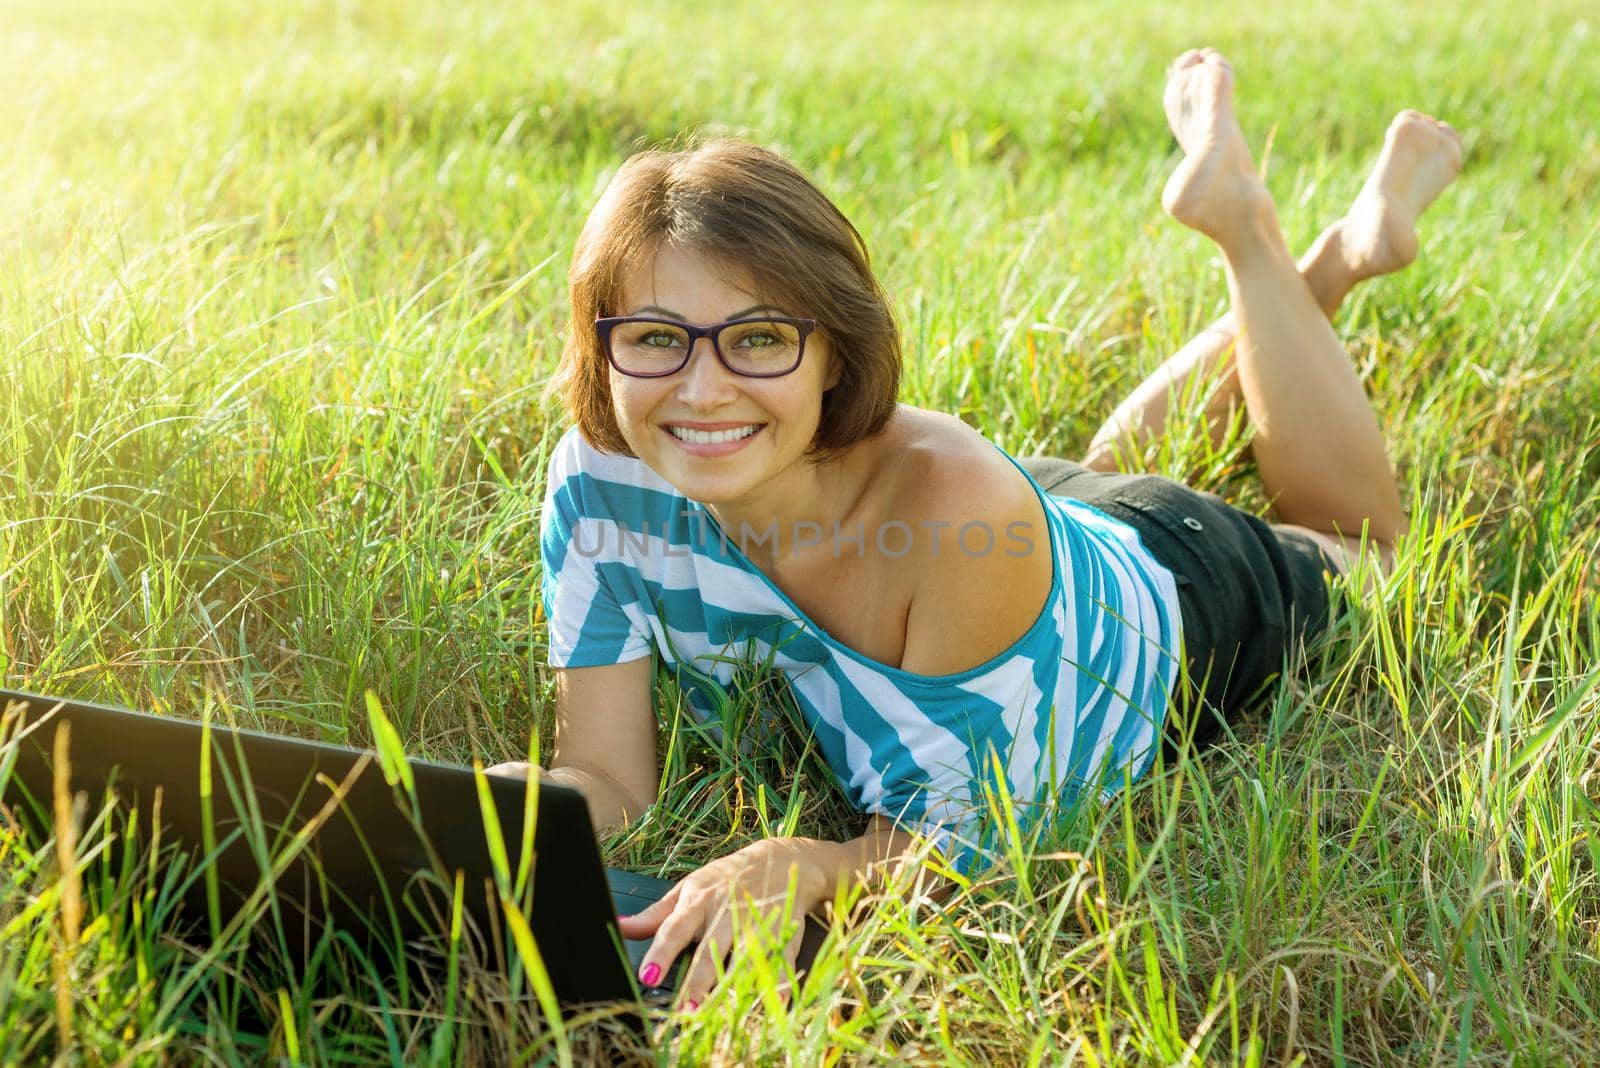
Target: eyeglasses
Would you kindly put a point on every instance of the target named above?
(756, 348)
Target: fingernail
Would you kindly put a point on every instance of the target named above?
(624, 915)
(693, 1005)
(649, 974)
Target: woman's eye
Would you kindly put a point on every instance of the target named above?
(759, 339)
(659, 339)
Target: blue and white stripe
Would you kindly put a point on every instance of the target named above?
(631, 566)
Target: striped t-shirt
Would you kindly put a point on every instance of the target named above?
(632, 567)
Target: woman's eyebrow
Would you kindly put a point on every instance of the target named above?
(675, 315)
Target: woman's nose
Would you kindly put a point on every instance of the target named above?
(704, 381)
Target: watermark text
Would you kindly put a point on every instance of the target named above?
(893, 538)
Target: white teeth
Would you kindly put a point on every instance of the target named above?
(712, 437)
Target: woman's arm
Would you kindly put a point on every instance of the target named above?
(869, 858)
(605, 741)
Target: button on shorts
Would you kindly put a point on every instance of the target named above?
(1249, 593)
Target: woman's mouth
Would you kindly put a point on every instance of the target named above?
(713, 442)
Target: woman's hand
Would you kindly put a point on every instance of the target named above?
(749, 885)
(611, 807)
(516, 769)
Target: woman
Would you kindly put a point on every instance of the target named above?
(741, 480)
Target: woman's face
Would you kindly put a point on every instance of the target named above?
(683, 284)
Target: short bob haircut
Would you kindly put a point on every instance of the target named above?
(750, 209)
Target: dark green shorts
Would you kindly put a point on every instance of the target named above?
(1245, 589)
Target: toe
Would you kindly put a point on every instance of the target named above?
(1188, 59)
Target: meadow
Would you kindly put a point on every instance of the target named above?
(281, 285)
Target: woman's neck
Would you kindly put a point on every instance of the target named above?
(806, 509)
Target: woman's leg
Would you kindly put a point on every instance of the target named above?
(1317, 444)
(1205, 363)
(1377, 236)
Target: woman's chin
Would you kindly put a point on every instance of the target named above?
(708, 492)
(709, 481)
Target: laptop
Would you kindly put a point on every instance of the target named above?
(375, 865)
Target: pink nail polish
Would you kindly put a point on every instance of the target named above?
(650, 974)
(693, 1005)
(624, 915)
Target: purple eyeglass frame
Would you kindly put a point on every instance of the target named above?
(604, 326)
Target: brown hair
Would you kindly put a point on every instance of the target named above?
(749, 208)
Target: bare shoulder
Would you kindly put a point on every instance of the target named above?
(946, 470)
(982, 548)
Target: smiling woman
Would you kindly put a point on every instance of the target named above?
(731, 366)
(754, 220)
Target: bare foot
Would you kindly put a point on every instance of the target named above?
(1216, 189)
(1421, 156)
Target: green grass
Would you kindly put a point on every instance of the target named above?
(280, 286)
